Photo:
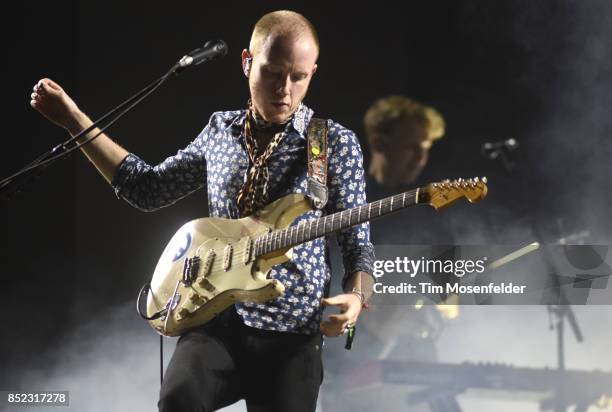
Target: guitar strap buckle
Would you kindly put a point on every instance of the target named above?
(316, 188)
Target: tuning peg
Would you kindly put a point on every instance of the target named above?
(484, 179)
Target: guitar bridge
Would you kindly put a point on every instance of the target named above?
(183, 314)
(205, 283)
(197, 299)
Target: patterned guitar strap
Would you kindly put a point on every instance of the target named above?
(317, 162)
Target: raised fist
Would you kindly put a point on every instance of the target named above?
(54, 103)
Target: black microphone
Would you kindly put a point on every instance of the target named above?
(212, 50)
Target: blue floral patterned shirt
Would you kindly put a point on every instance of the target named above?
(218, 158)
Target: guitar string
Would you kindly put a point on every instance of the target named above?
(277, 234)
(282, 235)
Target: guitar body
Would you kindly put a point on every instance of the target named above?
(210, 264)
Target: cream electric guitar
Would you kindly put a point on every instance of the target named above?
(212, 263)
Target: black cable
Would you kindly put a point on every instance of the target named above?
(144, 291)
(161, 359)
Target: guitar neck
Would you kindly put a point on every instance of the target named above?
(307, 231)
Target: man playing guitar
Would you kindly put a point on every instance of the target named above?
(268, 354)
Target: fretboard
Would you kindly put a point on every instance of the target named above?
(309, 230)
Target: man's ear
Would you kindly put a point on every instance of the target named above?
(247, 61)
(314, 69)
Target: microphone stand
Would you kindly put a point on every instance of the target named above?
(561, 310)
(16, 182)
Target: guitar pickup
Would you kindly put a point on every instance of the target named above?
(227, 257)
(248, 251)
(208, 261)
(190, 269)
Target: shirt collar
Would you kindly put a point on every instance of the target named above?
(301, 118)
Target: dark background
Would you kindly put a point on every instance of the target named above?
(536, 71)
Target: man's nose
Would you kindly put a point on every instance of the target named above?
(283, 85)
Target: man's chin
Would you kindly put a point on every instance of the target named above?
(278, 115)
(277, 119)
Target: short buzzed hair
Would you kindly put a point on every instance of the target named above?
(386, 113)
(283, 22)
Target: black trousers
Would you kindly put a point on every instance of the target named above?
(224, 361)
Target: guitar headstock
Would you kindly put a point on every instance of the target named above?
(442, 194)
